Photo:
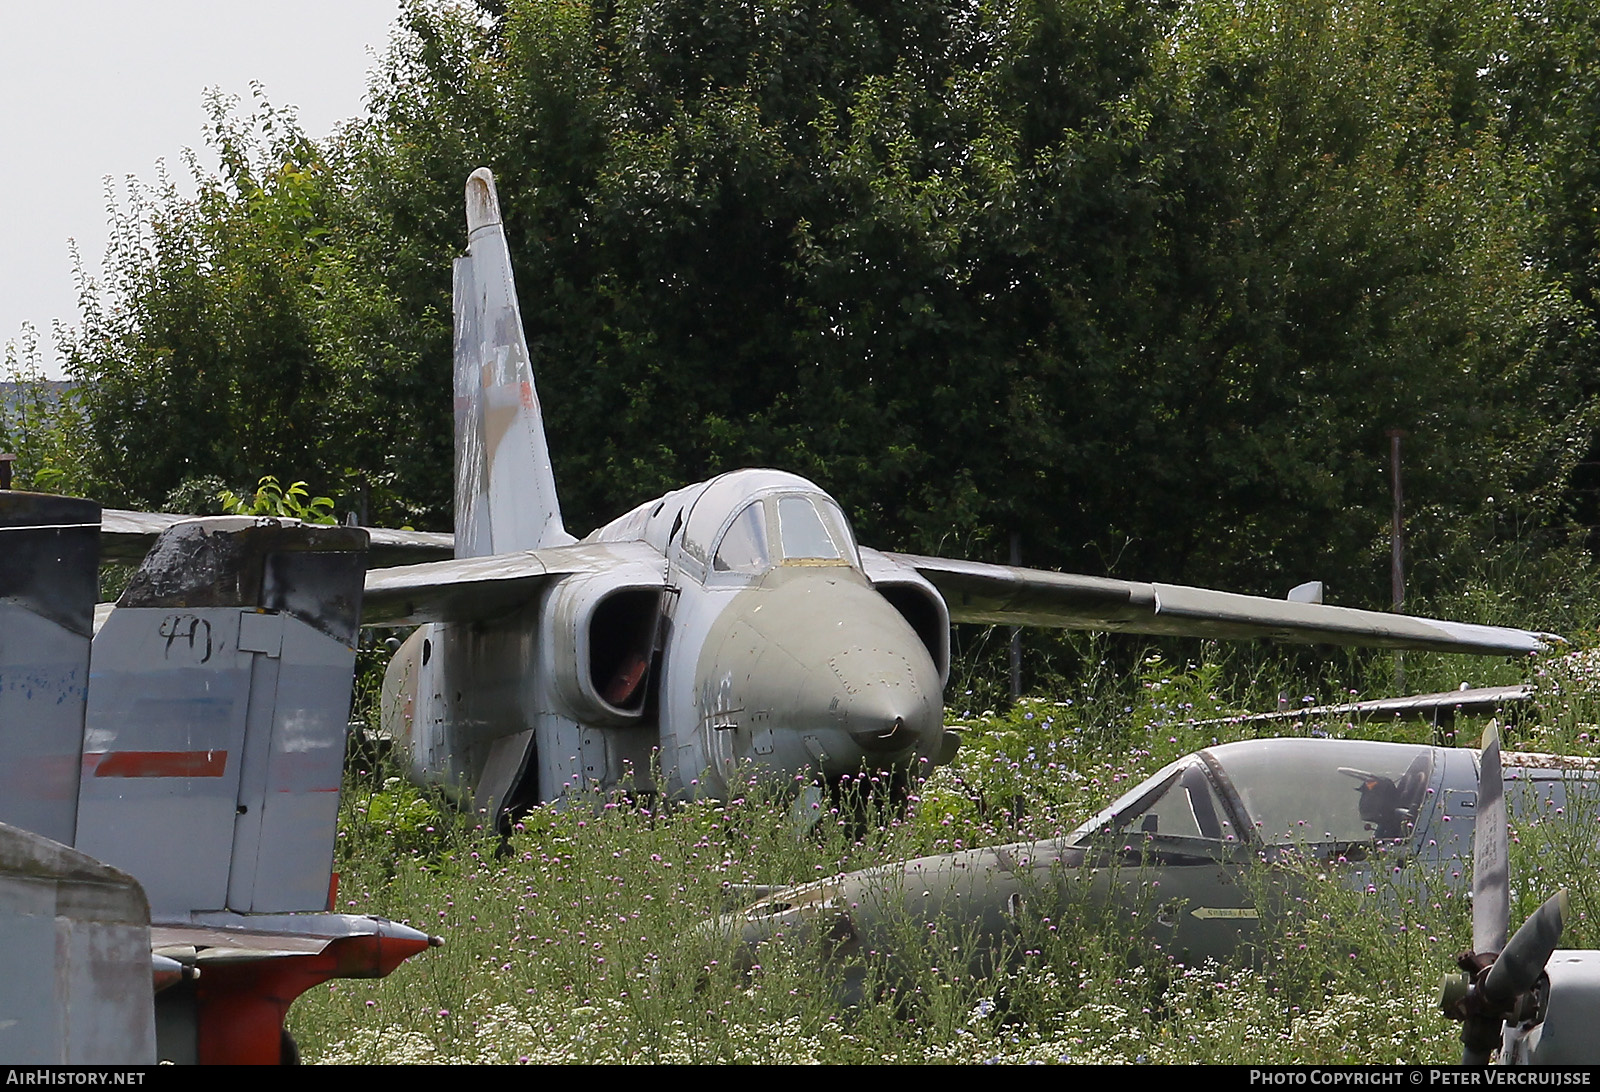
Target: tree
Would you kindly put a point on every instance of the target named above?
(41, 423)
(225, 337)
(1145, 283)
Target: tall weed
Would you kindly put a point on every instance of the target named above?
(589, 935)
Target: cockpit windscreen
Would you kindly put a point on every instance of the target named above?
(806, 530)
(1355, 791)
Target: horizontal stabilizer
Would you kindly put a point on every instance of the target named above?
(127, 536)
(223, 937)
(1010, 595)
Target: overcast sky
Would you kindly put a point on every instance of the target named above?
(106, 88)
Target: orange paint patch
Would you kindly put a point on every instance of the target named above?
(156, 763)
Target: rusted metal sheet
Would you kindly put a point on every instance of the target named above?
(75, 965)
(127, 536)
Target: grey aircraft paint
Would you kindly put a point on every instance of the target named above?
(75, 962)
(48, 578)
(75, 966)
(1176, 850)
(730, 626)
(218, 705)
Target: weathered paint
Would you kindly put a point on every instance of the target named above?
(217, 715)
(75, 966)
(800, 665)
(1571, 1005)
(736, 621)
(1008, 595)
(128, 537)
(49, 566)
(501, 451)
(252, 967)
(1260, 805)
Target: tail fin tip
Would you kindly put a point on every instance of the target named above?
(483, 203)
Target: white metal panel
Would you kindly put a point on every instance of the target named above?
(44, 676)
(165, 728)
(289, 785)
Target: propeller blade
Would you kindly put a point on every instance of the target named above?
(1523, 960)
(1491, 893)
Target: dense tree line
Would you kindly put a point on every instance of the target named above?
(1145, 283)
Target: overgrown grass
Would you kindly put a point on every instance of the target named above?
(588, 938)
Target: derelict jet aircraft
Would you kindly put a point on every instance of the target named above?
(1179, 857)
(733, 622)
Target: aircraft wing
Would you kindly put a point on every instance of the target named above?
(1009, 595)
(1442, 707)
(127, 536)
(471, 588)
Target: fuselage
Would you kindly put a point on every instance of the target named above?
(1197, 854)
(741, 637)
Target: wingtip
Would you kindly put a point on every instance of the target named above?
(483, 204)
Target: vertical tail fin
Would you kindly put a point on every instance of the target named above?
(219, 701)
(505, 491)
(49, 573)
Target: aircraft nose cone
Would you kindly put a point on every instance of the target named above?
(884, 703)
(819, 670)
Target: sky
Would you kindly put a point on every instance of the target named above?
(98, 89)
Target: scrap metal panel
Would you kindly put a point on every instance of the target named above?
(165, 729)
(217, 716)
(49, 561)
(293, 763)
(75, 966)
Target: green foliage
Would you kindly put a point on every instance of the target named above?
(271, 499)
(42, 423)
(214, 344)
(586, 937)
(1144, 284)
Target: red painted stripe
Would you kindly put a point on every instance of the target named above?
(158, 763)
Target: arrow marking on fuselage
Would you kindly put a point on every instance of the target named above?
(1207, 912)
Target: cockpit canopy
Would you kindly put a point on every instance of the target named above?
(784, 529)
(741, 524)
(1278, 793)
(749, 521)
